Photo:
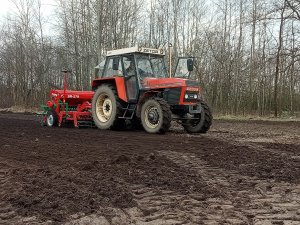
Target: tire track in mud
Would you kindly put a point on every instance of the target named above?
(248, 200)
(294, 155)
(274, 141)
(154, 207)
(8, 214)
(159, 207)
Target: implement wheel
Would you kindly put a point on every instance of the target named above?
(106, 108)
(156, 116)
(51, 119)
(203, 121)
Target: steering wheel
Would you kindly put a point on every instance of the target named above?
(127, 77)
(144, 74)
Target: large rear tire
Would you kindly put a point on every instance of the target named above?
(156, 116)
(106, 108)
(202, 124)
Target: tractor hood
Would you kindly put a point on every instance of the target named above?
(159, 83)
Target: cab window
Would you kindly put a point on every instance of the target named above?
(129, 66)
(99, 69)
(109, 72)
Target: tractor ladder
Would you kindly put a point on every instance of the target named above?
(129, 111)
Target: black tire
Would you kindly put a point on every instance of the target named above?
(203, 124)
(112, 109)
(44, 121)
(156, 116)
(51, 119)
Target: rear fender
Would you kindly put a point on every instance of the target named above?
(118, 82)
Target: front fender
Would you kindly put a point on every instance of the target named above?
(143, 98)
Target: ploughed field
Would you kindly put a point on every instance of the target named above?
(238, 173)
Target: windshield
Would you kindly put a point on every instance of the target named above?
(150, 66)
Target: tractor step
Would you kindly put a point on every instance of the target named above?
(86, 124)
(128, 111)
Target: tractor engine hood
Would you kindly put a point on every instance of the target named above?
(159, 83)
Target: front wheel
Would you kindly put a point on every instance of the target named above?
(156, 116)
(201, 122)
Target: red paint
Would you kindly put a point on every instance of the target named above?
(162, 83)
(156, 83)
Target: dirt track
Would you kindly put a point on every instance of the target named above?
(238, 173)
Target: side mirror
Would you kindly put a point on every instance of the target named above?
(190, 64)
(116, 63)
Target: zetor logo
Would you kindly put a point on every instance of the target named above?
(192, 89)
(151, 51)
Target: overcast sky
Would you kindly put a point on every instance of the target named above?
(47, 10)
(6, 6)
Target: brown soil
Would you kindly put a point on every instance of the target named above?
(238, 173)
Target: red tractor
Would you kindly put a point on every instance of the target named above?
(133, 87)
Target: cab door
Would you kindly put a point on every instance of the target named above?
(130, 77)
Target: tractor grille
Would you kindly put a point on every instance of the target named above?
(172, 95)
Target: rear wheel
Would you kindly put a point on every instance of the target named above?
(156, 116)
(202, 123)
(106, 108)
(51, 118)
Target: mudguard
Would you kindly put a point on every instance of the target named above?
(119, 82)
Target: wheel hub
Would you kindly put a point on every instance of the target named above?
(107, 107)
(153, 117)
(104, 108)
(50, 120)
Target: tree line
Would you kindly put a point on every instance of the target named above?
(247, 54)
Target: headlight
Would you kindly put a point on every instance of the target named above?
(190, 96)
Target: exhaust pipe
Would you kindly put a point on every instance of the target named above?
(170, 60)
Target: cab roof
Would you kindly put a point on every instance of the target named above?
(136, 49)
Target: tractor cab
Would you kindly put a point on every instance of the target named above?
(133, 84)
(133, 65)
(143, 62)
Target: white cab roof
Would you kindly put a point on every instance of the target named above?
(136, 49)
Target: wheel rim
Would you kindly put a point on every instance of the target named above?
(50, 120)
(152, 118)
(104, 108)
